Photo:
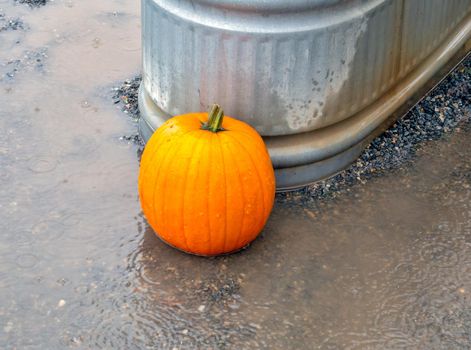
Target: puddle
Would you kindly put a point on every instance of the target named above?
(386, 265)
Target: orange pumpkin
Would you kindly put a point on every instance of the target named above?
(206, 183)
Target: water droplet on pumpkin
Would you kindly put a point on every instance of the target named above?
(248, 209)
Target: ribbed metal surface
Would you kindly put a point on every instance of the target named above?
(426, 23)
(280, 82)
(314, 77)
(373, 69)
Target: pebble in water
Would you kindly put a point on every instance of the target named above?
(85, 104)
(30, 60)
(7, 23)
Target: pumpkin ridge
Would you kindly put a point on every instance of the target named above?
(265, 153)
(254, 164)
(242, 192)
(225, 191)
(250, 134)
(204, 173)
(151, 160)
(156, 181)
(209, 194)
(158, 143)
(175, 149)
(185, 184)
(158, 172)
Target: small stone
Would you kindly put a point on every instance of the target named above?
(96, 43)
(201, 308)
(234, 306)
(255, 325)
(61, 303)
(8, 327)
(76, 340)
(310, 213)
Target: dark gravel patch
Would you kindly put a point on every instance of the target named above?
(31, 60)
(32, 3)
(445, 108)
(218, 289)
(126, 96)
(10, 23)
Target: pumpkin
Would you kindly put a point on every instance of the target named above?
(206, 183)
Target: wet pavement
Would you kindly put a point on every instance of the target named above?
(384, 265)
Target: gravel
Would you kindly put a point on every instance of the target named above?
(30, 60)
(445, 108)
(7, 23)
(125, 96)
(32, 3)
(217, 290)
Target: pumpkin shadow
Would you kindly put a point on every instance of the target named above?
(158, 262)
(183, 278)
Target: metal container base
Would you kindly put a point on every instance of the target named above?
(287, 179)
(305, 158)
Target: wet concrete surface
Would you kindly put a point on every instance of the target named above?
(386, 265)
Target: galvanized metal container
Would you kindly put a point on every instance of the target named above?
(314, 77)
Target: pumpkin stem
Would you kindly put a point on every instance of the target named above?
(215, 117)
